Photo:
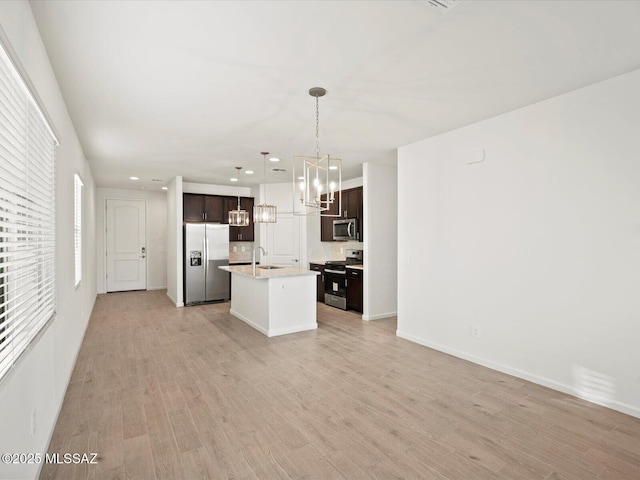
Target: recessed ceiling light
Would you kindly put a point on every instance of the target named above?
(249, 172)
(165, 188)
(233, 179)
(300, 178)
(274, 159)
(134, 178)
(333, 167)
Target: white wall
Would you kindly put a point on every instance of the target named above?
(39, 380)
(210, 189)
(380, 232)
(156, 233)
(174, 242)
(538, 246)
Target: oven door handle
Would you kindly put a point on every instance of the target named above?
(338, 272)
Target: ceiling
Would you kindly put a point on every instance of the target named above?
(159, 89)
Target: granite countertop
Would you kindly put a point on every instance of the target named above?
(262, 273)
(322, 262)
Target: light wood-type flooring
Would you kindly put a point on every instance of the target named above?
(194, 393)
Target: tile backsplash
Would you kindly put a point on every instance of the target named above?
(240, 251)
(333, 250)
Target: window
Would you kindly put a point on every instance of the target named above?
(27, 216)
(77, 226)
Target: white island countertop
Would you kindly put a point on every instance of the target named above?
(266, 273)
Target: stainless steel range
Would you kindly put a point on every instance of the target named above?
(335, 279)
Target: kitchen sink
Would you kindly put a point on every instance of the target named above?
(268, 267)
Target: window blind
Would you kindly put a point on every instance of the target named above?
(77, 227)
(27, 216)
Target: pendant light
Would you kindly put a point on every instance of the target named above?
(265, 213)
(317, 181)
(238, 217)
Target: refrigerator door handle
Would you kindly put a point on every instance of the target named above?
(205, 248)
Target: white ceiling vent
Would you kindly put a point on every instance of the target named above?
(443, 6)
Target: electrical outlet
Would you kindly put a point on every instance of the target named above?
(341, 249)
(33, 423)
(244, 249)
(475, 332)
(235, 249)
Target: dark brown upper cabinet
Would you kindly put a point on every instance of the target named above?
(215, 209)
(240, 234)
(203, 208)
(351, 207)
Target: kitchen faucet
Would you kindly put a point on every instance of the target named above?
(253, 260)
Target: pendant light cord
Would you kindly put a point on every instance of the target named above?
(317, 129)
(264, 174)
(238, 168)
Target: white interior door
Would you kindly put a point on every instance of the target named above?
(283, 247)
(126, 245)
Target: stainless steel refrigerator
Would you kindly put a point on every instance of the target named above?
(206, 247)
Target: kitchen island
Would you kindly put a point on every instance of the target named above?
(274, 300)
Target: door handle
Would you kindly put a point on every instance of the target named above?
(143, 250)
(205, 248)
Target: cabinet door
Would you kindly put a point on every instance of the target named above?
(247, 233)
(214, 208)
(240, 234)
(193, 207)
(360, 207)
(354, 290)
(231, 203)
(320, 282)
(351, 201)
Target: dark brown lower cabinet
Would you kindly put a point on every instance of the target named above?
(354, 289)
(317, 267)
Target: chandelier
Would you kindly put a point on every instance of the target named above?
(238, 217)
(317, 181)
(265, 213)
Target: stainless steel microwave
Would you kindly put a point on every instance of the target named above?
(345, 230)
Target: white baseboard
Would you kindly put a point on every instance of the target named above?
(274, 333)
(249, 322)
(181, 304)
(284, 331)
(379, 316)
(531, 377)
(157, 288)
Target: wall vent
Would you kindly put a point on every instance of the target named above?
(443, 6)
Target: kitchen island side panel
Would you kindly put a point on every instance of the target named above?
(292, 305)
(250, 301)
